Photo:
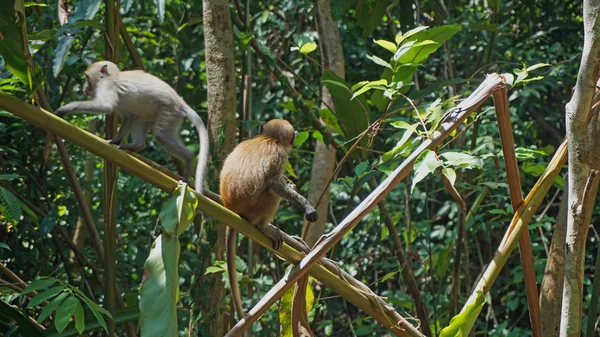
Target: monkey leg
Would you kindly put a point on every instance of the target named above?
(126, 124)
(138, 135)
(273, 233)
(171, 142)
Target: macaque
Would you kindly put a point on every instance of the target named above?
(144, 102)
(252, 185)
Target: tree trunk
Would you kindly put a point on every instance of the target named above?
(552, 285)
(583, 136)
(332, 57)
(218, 39)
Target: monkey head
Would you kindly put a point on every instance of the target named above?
(279, 129)
(95, 73)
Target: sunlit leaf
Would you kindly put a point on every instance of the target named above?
(379, 61)
(425, 165)
(387, 45)
(308, 48)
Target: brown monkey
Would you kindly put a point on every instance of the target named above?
(144, 102)
(252, 185)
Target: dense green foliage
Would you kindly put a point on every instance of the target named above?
(503, 36)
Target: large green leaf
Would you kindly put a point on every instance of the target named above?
(10, 203)
(179, 210)
(159, 292)
(351, 113)
(369, 15)
(84, 10)
(438, 34)
(11, 43)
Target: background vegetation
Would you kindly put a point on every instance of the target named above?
(494, 36)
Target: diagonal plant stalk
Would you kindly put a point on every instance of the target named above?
(326, 271)
(516, 197)
(519, 223)
(451, 121)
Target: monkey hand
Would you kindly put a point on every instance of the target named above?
(115, 141)
(310, 214)
(60, 112)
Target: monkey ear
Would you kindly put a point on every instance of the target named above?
(104, 69)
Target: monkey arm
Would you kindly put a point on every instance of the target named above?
(91, 107)
(283, 189)
(104, 102)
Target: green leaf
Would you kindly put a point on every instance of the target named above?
(425, 165)
(450, 174)
(159, 292)
(48, 222)
(85, 10)
(359, 85)
(331, 120)
(308, 48)
(11, 205)
(4, 246)
(537, 66)
(387, 45)
(414, 31)
(79, 318)
(361, 168)
(379, 61)
(403, 143)
(11, 43)
(48, 309)
(41, 297)
(371, 85)
(438, 34)
(214, 270)
(97, 312)
(41, 283)
(369, 15)
(79, 24)
(300, 138)
(64, 312)
(389, 276)
(179, 210)
(462, 160)
(406, 47)
(351, 114)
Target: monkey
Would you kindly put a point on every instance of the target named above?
(252, 185)
(144, 102)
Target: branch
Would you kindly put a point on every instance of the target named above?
(516, 197)
(326, 271)
(452, 119)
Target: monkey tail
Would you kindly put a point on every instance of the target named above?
(203, 153)
(231, 248)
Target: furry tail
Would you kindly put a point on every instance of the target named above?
(203, 153)
(231, 248)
